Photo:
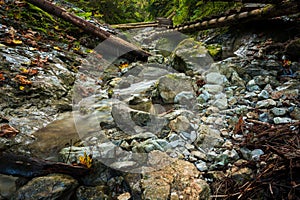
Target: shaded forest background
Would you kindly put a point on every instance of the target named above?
(126, 11)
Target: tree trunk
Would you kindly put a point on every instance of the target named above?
(17, 165)
(116, 47)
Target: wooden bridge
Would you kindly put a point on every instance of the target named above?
(118, 47)
(256, 11)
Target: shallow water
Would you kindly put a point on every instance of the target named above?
(55, 136)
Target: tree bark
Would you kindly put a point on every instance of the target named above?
(18, 165)
(117, 47)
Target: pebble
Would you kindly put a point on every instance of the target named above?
(279, 111)
(256, 153)
(282, 120)
(265, 103)
(263, 94)
(201, 166)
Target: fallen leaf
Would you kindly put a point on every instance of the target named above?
(239, 127)
(22, 80)
(86, 160)
(8, 131)
(30, 72)
(2, 78)
(57, 48)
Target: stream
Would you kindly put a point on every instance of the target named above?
(155, 119)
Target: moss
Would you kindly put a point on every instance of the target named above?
(215, 50)
(40, 11)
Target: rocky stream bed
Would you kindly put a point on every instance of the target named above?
(184, 125)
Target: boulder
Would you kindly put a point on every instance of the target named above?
(51, 187)
(180, 180)
(191, 55)
(171, 85)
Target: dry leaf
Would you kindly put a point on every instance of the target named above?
(86, 160)
(8, 131)
(239, 127)
(22, 80)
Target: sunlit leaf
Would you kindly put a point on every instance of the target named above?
(57, 48)
(86, 160)
(123, 66)
(16, 42)
(89, 51)
(29, 71)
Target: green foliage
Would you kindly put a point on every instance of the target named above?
(114, 11)
(125, 11)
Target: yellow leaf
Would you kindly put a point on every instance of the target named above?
(57, 48)
(123, 66)
(86, 160)
(76, 48)
(22, 88)
(89, 51)
(56, 28)
(16, 42)
(24, 70)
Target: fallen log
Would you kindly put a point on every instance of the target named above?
(24, 166)
(137, 25)
(117, 46)
(268, 11)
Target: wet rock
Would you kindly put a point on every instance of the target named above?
(282, 120)
(181, 123)
(180, 178)
(256, 153)
(295, 114)
(221, 103)
(232, 154)
(134, 121)
(208, 138)
(191, 55)
(213, 89)
(124, 196)
(237, 80)
(186, 99)
(201, 166)
(292, 48)
(285, 94)
(215, 78)
(7, 186)
(123, 165)
(246, 153)
(171, 85)
(53, 186)
(266, 103)
(133, 180)
(279, 111)
(263, 94)
(89, 192)
(241, 174)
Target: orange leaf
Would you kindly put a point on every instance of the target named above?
(8, 131)
(2, 78)
(239, 127)
(23, 80)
